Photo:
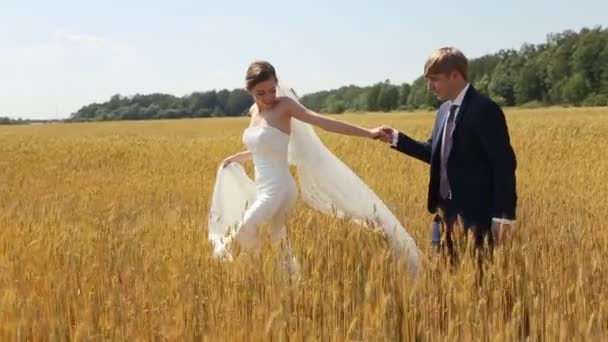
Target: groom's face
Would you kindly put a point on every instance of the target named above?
(439, 85)
(445, 86)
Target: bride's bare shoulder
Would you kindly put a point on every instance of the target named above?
(251, 110)
(285, 102)
(284, 105)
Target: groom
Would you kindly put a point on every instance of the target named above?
(472, 173)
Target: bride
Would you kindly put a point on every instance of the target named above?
(279, 134)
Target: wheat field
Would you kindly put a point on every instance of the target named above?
(103, 237)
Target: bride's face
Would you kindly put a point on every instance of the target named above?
(265, 93)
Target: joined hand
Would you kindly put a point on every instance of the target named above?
(378, 134)
(383, 133)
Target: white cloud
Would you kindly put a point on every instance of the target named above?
(42, 50)
(63, 42)
(83, 39)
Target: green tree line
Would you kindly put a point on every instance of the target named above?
(570, 68)
(5, 120)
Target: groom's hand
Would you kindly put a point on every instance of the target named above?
(501, 232)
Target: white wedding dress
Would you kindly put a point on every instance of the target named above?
(240, 205)
(275, 189)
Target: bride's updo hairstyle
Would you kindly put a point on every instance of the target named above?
(258, 72)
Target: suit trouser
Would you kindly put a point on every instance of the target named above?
(448, 215)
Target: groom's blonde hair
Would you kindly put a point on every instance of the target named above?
(445, 61)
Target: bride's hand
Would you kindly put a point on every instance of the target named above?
(236, 158)
(229, 160)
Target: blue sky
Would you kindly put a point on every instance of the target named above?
(57, 56)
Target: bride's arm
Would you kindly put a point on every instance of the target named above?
(237, 158)
(302, 113)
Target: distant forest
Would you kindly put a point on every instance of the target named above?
(570, 69)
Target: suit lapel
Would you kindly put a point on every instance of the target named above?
(443, 116)
(439, 132)
(463, 108)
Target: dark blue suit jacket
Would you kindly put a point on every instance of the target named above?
(482, 163)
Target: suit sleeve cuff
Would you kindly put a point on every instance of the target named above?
(502, 220)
